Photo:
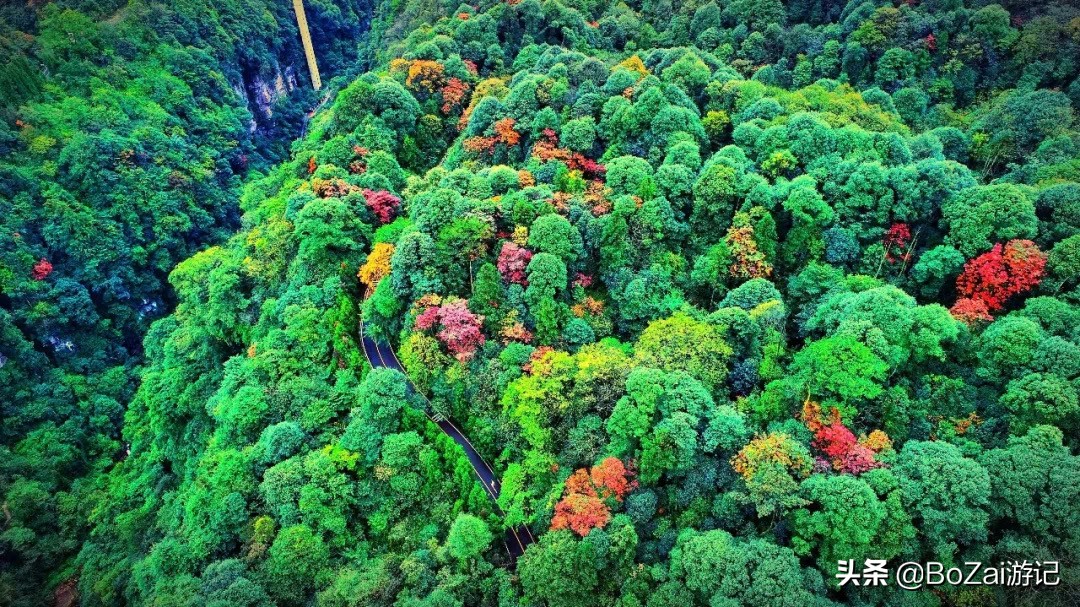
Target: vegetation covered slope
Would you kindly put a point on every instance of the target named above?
(725, 291)
(123, 145)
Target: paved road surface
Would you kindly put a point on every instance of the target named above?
(380, 354)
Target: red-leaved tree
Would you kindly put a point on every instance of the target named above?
(512, 262)
(41, 270)
(383, 204)
(1001, 273)
(896, 241)
(458, 328)
(589, 167)
(548, 148)
(841, 450)
(970, 311)
(589, 496)
(580, 513)
(834, 440)
(612, 478)
(454, 94)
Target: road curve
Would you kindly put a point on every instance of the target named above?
(380, 354)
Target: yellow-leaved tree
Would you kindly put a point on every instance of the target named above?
(376, 267)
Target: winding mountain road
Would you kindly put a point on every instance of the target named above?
(380, 354)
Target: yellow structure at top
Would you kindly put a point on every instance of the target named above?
(305, 38)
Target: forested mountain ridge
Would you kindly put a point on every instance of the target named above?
(126, 129)
(724, 291)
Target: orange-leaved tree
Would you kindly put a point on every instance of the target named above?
(589, 496)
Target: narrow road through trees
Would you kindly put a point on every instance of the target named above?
(380, 354)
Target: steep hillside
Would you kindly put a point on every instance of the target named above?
(725, 292)
(126, 129)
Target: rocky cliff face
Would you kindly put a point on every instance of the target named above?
(261, 92)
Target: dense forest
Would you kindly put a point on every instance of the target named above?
(126, 131)
(725, 292)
